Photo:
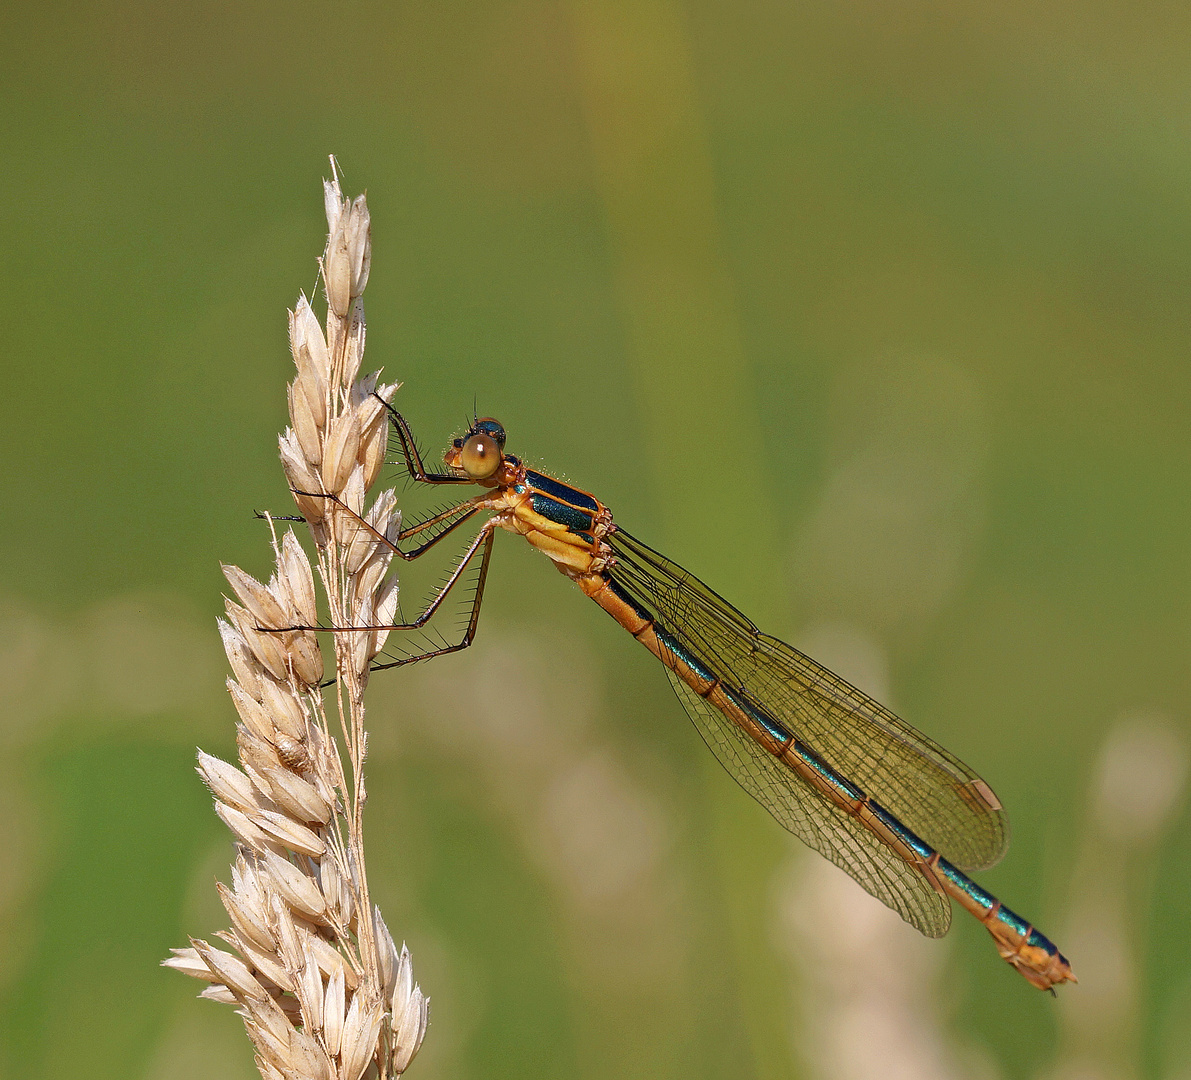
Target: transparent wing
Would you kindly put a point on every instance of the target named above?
(816, 820)
(927, 788)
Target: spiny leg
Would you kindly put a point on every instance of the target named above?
(483, 539)
(473, 621)
(413, 460)
(465, 509)
(422, 526)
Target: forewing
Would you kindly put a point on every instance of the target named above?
(816, 820)
(929, 789)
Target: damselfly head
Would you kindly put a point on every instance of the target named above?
(481, 451)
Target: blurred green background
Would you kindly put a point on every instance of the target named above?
(873, 314)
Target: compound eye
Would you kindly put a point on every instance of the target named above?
(481, 456)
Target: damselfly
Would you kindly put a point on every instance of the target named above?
(888, 805)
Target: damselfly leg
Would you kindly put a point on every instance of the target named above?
(450, 519)
(440, 525)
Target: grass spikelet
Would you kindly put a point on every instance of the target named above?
(323, 989)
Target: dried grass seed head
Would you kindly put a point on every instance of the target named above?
(245, 666)
(349, 250)
(309, 348)
(268, 611)
(296, 581)
(304, 425)
(266, 649)
(227, 783)
(297, 889)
